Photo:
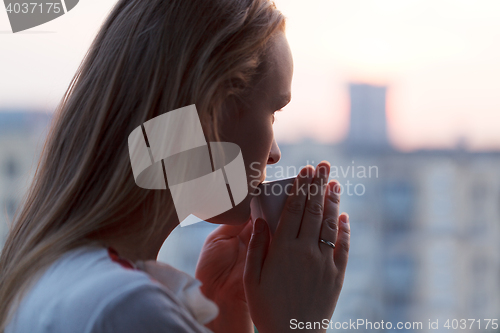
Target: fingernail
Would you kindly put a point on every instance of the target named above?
(344, 218)
(259, 226)
(334, 187)
(304, 172)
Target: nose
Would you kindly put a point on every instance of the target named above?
(274, 154)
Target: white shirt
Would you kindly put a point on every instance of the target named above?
(88, 290)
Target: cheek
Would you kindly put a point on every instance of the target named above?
(267, 141)
(257, 152)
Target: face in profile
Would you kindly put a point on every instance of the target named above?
(249, 124)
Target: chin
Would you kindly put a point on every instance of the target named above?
(236, 215)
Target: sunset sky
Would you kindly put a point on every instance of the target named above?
(440, 60)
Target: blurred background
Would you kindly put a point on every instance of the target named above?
(401, 97)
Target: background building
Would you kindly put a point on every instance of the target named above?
(22, 135)
(368, 125)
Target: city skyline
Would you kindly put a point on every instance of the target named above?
(421, 220)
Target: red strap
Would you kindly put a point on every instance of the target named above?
(113, 254)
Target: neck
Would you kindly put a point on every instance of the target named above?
(136, 246)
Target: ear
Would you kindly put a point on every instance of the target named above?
(230, 118)
(232, 109)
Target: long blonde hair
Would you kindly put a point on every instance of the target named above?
(149, 57)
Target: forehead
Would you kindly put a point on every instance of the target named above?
(278, 54)
(278, 68)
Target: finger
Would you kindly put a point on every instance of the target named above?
(256, 253)
(289, 224)
(313, 213)
(330, 223)
(246, 233)
(343, 241)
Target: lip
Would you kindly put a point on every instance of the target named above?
(261, 180)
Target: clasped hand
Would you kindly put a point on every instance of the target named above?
(268, 281)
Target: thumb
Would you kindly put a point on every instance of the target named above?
(257, 251)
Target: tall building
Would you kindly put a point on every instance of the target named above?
(368, 125)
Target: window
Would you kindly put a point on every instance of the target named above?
(398, 198)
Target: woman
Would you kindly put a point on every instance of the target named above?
(81, 253)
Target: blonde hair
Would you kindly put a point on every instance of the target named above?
(149, 57)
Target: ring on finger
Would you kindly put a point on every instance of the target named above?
(327, 243)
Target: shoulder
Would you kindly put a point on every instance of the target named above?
(73, 289)
(86, 290)
(144, 309)
(89, 277)
(117, 299)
